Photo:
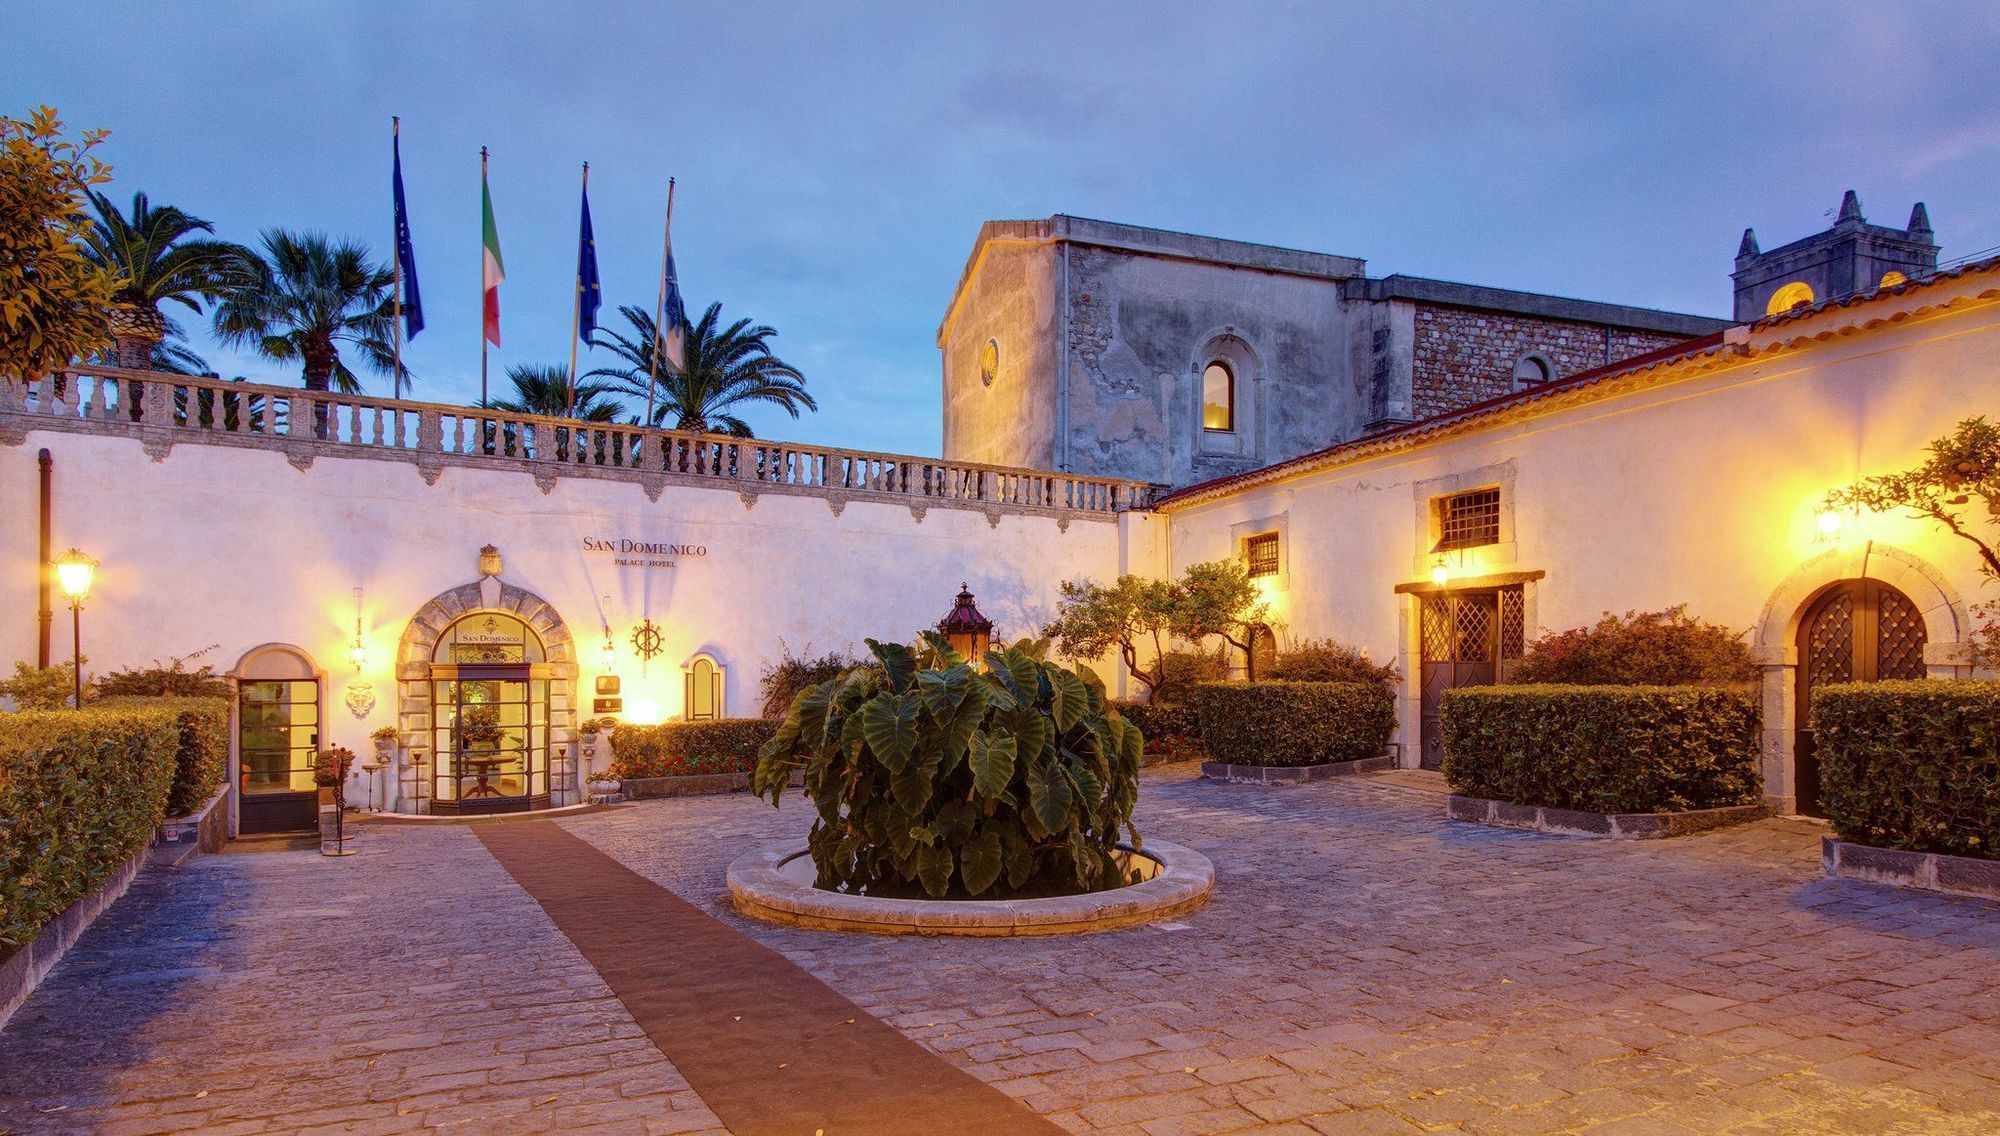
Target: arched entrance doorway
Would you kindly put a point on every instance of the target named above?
(490, 678)
(1855, 631)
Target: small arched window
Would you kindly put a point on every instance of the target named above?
(704, 689)
(1892, 278)
(1792, 295)
(1531, 370)
(1218, 397)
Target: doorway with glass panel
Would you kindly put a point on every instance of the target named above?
(277, 743)
(490, 717)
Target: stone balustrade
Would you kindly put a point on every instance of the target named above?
(164, 410)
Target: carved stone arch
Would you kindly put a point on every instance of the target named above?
(1944, 611)
(1230, 347)
(1774, 640)
(413, 674)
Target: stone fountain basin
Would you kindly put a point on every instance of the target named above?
(775, 884)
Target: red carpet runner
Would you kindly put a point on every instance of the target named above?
(771, 1049)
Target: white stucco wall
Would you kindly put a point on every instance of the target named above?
(236, 547)
(1702, 490)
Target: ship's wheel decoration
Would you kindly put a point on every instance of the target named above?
(646, 639)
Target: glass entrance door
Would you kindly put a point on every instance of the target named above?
(277, 742)
(491, 739)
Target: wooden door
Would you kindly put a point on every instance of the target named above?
(1857, 631)
(1468, 639)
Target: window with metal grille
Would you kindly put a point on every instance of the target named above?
(1262, 552)
(1468, 520)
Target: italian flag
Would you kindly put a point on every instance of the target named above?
(492, 271)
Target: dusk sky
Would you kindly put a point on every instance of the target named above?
(836, 160)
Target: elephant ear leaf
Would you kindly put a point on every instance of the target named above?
(1021, 675)
(889, 725)
(946, 653)
(934, 869)
(944, 690)
(1020, 858)
(992, 757)
(1049, 796)
(898, 661)
(1072, 699)
(980, 861)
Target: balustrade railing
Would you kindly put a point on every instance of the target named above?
(204, 406)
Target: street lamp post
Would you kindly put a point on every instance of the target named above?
(74, 572)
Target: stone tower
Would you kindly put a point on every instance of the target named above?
(1851, 257)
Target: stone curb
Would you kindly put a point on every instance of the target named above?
(206, 829)
(24, 970)
(1294, 774)
(1923, 871)
(762, 891)
(1615, 826)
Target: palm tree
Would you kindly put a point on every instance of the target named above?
(155, 262)
(726, 368)
(306, 296)
(544, 390)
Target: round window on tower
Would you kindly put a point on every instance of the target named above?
(1794, 295)
(989, 362)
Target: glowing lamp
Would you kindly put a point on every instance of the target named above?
(1440, 575)
(970, 633)
(1829, 523)
(358, 655)
(74, 572)
(643, 712)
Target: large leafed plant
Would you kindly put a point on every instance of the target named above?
(927, 771)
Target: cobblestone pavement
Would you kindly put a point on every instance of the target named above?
(1364, 967)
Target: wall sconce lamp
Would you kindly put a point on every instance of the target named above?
(357, 651)
(1829, 523)
(608, 658)
(1440, 572)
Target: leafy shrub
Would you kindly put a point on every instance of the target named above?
(926, 770)
(1641, 648)
(171, 679)
(1171, 728)
(1603, 749)
(201, 754)
(1912, 764)
(330, 769)
(782, 680)
(1294, 723)
(43, 688)
(1323, 660)
(80, 791)
(680, 749)
(1181, 671)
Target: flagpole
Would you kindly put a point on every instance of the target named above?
(482, 289)
(660, 312)
(576, 316)
(396, 255)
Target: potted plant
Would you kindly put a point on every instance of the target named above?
(385, 745)
(330, 771)
(479, 729)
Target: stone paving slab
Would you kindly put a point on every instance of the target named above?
(1364, 966)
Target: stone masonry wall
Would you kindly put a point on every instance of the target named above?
(1463, 356)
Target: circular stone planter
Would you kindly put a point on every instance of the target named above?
(775, 884)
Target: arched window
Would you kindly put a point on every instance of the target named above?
(1892, 278)
(1790, 296)
(1531, 370)
(1218, 397)
(704, 688)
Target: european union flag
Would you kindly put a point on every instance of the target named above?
(406, 254)
(588, 294)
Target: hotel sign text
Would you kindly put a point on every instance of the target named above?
(627, 552)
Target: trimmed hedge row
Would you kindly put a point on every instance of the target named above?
(1294, 723)
(1168, 727)
(80, 792)
(1912, 764)
(678, 749)
(202, 757)
(1604, 749)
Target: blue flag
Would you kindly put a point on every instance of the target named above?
(673, 335)
(406, 255)
(589, 295)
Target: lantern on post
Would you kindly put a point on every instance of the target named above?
(970, 633)
(74, 572)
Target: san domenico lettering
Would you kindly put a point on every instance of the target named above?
(625, 546)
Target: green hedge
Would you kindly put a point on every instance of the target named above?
(80, 791)
(1169, 727)
(678, 749)
(1912, 764)
(201, 760)
(1294, 723)
(1605, 749)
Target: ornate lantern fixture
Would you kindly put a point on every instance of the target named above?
(970, 632)
(74, 573)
